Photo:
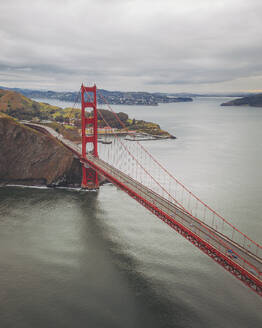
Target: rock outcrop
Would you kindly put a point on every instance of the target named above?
(28, 157)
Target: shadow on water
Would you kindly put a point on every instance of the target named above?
(61, 266)
(152, 306)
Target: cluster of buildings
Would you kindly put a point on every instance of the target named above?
(105, 130)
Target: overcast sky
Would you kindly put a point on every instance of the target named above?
(146, 45)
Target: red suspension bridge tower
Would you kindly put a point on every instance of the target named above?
(88, 100)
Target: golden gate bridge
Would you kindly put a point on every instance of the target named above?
(133, 169)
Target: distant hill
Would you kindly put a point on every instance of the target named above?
(105, 96)
(254, 101)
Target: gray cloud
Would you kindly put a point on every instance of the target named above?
(168, 45)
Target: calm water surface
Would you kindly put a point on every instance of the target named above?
(85, 259)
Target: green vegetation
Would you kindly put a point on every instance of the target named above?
(147, 127)
(3, 115)
(22, 108)
(7, 118)
(16, 105)
(67, 115)
(69, 132)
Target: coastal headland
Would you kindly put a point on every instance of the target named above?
(253, 101)
(29, 157)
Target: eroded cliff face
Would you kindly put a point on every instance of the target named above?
(31, 158)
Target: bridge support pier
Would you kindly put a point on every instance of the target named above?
(89, 178)
(88, 100)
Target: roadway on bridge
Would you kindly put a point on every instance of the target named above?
(205, 232)
(181, 216)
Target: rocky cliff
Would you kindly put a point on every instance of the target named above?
(30, 158)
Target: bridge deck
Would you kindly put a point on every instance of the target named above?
(244, 259)
(187, 220)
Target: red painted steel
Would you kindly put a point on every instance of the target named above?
(231, 266)
(191, 194)
(225, 261)
(178, 203)
(90, 180)
(89, 176)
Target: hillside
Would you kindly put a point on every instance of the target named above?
(22, 108)
(254, 101)
(16, 105)
(28, 157)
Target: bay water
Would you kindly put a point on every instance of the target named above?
(70, 258)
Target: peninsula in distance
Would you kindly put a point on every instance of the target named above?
(253, 101)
